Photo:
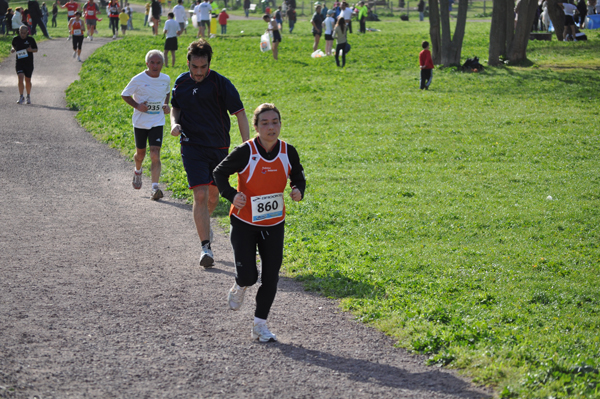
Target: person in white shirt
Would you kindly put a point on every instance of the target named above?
(347, 13)
(171, 31)
(148, 93)
(181, 15)
(569, 10)
(202, 11)
(273, 27)
(329, 23)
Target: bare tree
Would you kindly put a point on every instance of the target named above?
(446, 48)
(506, 40)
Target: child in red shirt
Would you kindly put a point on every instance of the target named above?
(223, 17)
(426, 64)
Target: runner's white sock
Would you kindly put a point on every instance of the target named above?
(138, 171)
(259, 321)
(154, 186)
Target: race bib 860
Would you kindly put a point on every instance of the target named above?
(266, 207)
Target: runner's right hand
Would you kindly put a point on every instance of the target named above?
(176, 130)
(142, 107)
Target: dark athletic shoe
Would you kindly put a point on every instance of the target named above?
(156, 194)
(21, 100)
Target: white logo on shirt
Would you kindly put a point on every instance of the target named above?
(194, 91)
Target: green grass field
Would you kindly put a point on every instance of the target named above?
(426, 213)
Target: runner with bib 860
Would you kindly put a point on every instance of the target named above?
(257, 214)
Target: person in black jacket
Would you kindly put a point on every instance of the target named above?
(36, 17)
(3, 22)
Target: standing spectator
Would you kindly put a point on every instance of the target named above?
(278, 16)
(3, 21)
(346, 12)
(426, 65)
(203, 15)
(171, 31)
(291, 18)
(569, 10)
(582, 8)
(44, 14)
(421, 8)
(317, 23)
(340, 33)
(155, 10)
(274, 28)
(55, 13)
(123, 18)
(247, 8)
(591, 10)
(147, 12)
(329, 22)
(180, 15)
(363, 11)
(113, 13)
(8, 20)
(129, 11)
(324, 10)
(36, 17)
(16, 21)
(91, 10)
(223, 17)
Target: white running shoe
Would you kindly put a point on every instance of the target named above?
(207, 259)
(114, 36)
(74, 54)
(78, 59)
(236, 296)
(261, 332)
(69, 38)
(28, 100)
(91, 38)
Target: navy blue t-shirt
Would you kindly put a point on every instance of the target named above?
(204, 106)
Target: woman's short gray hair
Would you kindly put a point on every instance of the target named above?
(152, 53)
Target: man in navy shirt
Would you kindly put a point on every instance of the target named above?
(201, 101)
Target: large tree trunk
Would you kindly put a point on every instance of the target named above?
(449, 51)
(434, 32)
(498, 32)
(517, 51)
(557, 16)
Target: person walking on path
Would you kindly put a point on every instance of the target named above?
(148, 93)
(77, 31)
(113, 14)
(24, 46)
(200, 101)
(171, 31)
(91, 11)
(36, 17)
(257, 213)
(426, 65)
(340, 34)
(317, 23)
(181, 15)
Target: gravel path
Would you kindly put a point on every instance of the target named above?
(101, 294)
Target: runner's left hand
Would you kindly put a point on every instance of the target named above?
(296, 195)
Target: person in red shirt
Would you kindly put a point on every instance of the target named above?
(91, 11)
(426, 65)
(71, 7)
(77, 29)
(223, 17)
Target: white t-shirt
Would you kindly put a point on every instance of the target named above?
(205, 9)
(347, 13)
(273, 25)
(329, 22)
(154, 90)
(180, 14)
(171, 27)
(569, 9)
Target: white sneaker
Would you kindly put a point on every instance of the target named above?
(74, 54)
(206, 259)
(236, 296)
(78, 59)
(69, 38)
(91, 38)
(114, 36)
(261, 332)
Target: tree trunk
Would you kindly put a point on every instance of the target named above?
(510, 26)
(447, 49)
(498, 32)
(434, 32)
(517, 51)
(557, 16)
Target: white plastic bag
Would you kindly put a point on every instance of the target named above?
(195, 20)
(318, 54)
(265, 42)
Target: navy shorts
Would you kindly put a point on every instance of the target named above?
(154, 137)
(199, 163)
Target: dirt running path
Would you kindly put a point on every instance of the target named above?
(101, 294)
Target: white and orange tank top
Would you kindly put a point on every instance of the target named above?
(263, 183)
(76, 27)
